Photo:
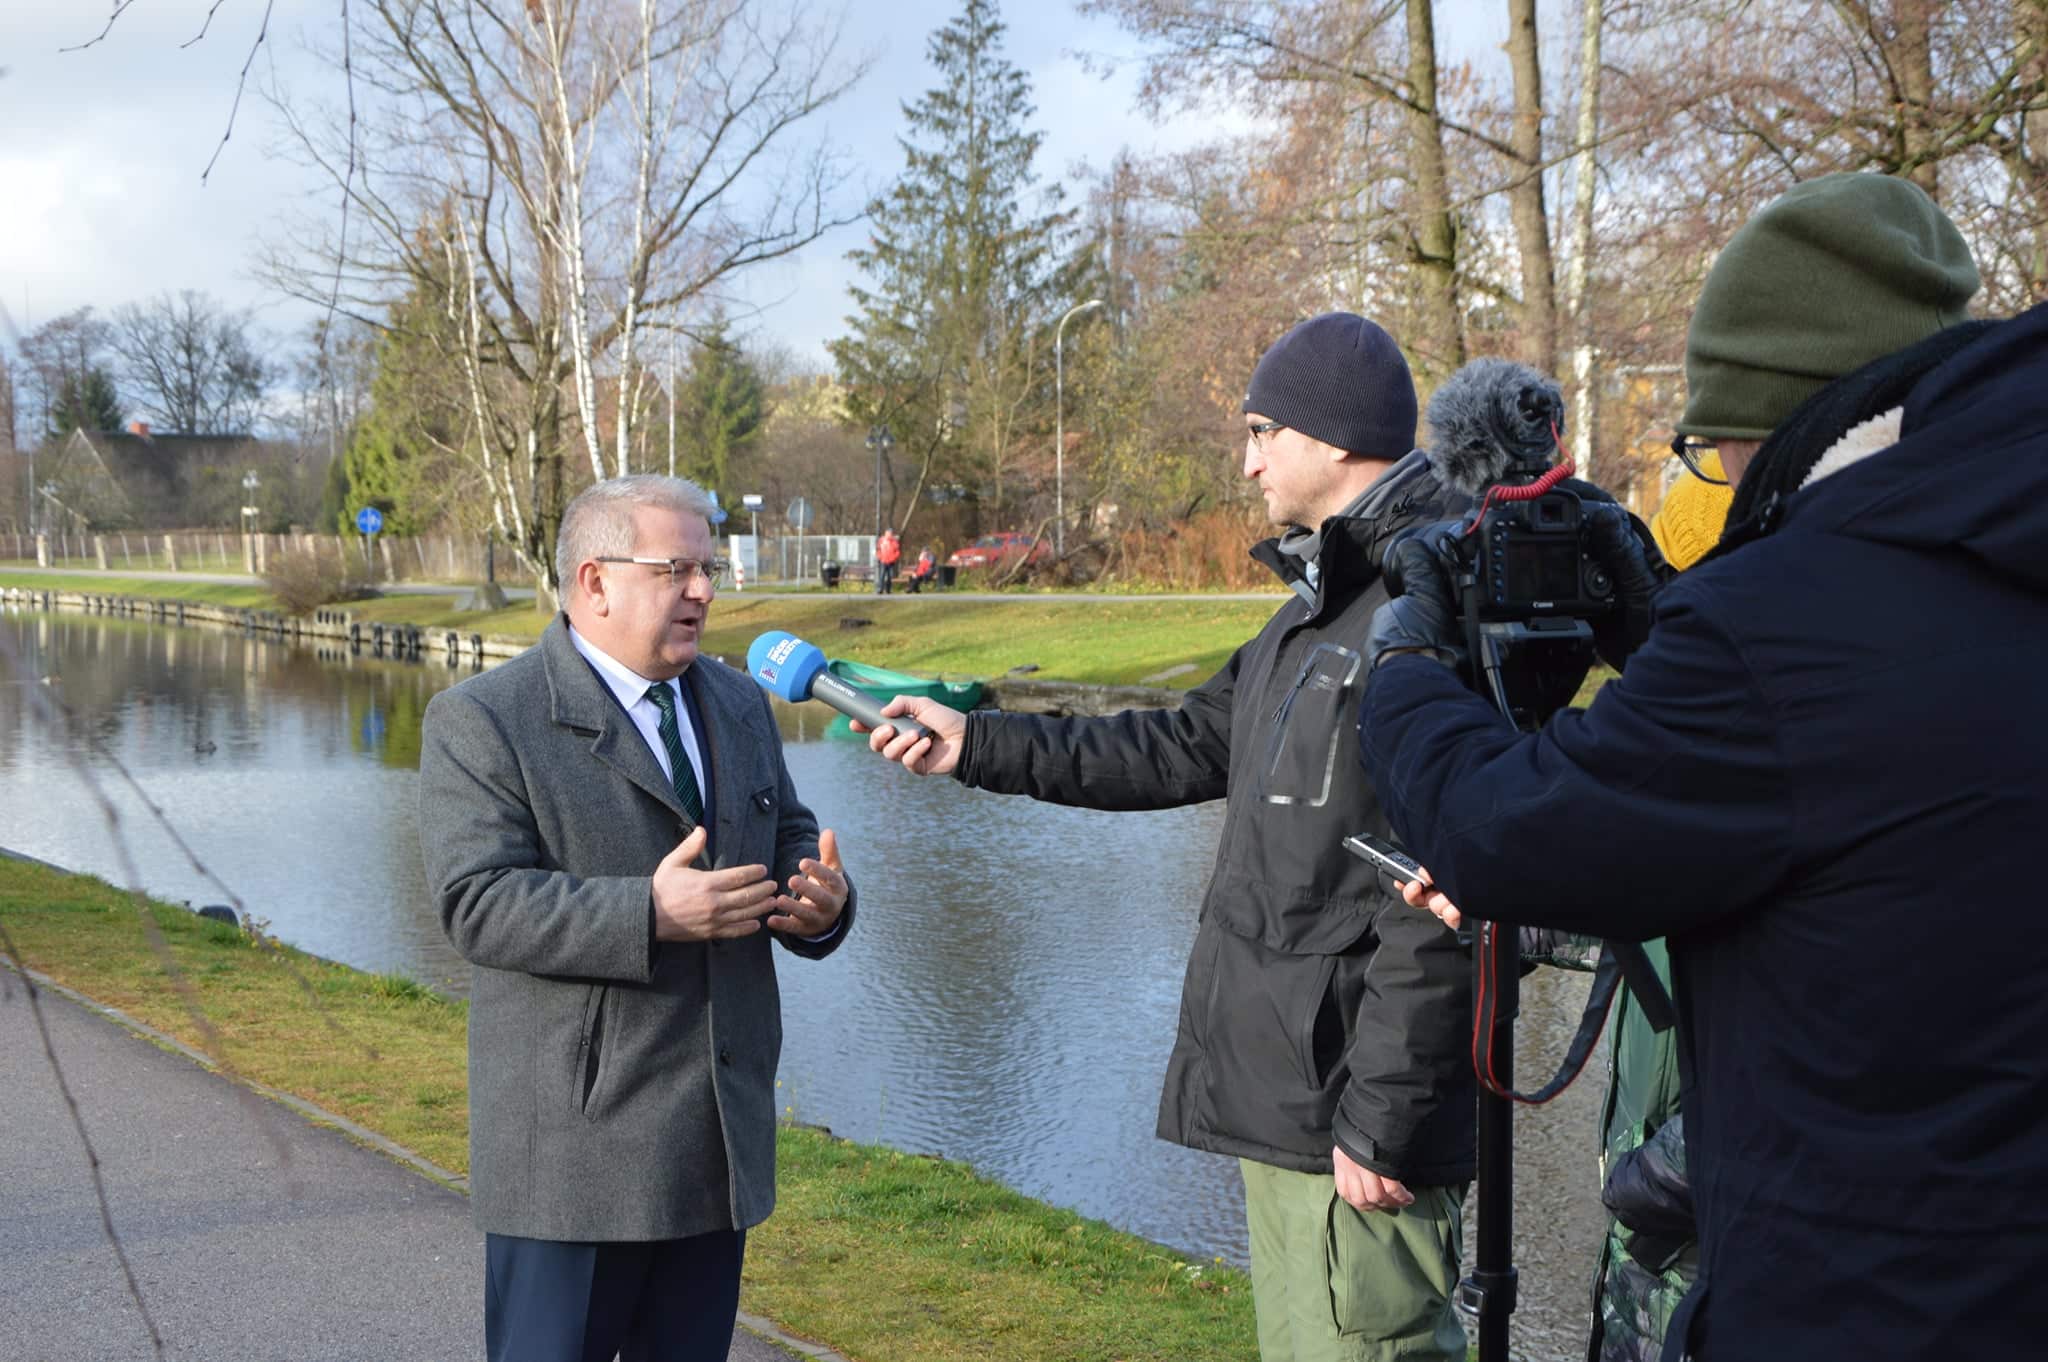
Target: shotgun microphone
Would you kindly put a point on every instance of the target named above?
(1493, 421)
(785, 665)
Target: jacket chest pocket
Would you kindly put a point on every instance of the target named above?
(1309, 726)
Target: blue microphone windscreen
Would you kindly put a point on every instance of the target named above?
(784, 664)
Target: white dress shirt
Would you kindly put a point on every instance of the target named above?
(631, 688)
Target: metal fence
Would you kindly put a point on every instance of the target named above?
(790, 559)
(432, 558)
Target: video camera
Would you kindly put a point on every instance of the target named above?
(1531, 585)
(1531, 590)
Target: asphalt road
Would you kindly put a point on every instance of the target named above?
(253, 1233)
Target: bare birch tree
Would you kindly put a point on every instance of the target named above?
(563, 177)
(1538, 328)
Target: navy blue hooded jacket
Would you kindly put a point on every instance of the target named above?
(1825, 778)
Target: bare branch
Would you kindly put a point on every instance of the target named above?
(120, 9)
(241, 82)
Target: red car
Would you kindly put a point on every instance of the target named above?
(998, 548)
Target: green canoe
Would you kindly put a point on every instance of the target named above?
(885, 685)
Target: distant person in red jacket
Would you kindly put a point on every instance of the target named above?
(922, 573)
(888, 552)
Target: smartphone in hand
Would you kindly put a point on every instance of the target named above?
(1388, 858)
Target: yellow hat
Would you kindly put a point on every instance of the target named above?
(1690, 520)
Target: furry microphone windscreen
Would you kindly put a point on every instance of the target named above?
(1490, 417)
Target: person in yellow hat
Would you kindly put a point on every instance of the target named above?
(1694, 510)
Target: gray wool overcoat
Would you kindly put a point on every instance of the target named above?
(619, 1088)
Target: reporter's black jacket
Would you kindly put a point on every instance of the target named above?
(1315, 1005)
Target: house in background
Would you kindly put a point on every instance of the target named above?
(139, 479)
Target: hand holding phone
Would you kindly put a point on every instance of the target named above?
(1388, 858)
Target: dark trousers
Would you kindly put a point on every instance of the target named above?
(668, 1301)
(885, 573)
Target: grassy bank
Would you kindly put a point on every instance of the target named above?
(887, 1256)
(1068, 638)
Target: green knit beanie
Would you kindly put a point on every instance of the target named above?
(1831, 275)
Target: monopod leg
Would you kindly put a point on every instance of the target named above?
(1490, 1290)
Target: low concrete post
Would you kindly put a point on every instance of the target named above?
(42, 549)
(249, 553)
(99, 550)
(263, 555)
(170, 553)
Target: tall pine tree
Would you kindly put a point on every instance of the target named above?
(86, 401)
(949, 347)
(718, 410)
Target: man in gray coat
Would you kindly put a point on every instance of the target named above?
(609, 827)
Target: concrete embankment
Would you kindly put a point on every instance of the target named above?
(330, 623)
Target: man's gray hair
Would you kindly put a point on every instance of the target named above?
(599, 522)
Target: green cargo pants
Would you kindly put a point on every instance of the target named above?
(1332, 1284)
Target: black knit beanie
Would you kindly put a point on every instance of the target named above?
(1342, 380)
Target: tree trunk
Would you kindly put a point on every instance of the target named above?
(1913, 59)
(1433, 230)
(1525, 200)
(1585, 412)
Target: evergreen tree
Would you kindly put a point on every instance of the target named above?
(949, 347)
(718, 411)
(86, 401)
(402, 455)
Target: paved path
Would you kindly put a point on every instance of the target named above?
(323, 1251)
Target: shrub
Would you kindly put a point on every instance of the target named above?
(1206, 551)
(304, 580)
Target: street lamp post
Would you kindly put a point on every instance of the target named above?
(49, 491)
(249, 510)
(1059, 422)
(881, 441)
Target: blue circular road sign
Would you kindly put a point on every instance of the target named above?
(369, 520)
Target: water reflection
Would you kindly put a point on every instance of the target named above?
(1008, 1000)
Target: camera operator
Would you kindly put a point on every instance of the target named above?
(1821, 777)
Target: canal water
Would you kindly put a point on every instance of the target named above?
(1007, 1000)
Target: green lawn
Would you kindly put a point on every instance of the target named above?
(1070, 638)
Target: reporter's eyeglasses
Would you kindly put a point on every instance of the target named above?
(682, 571)
(1692, 453)
(1257, 433)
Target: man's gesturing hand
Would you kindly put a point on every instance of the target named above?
(933, 755)
(1365, 1189)
(817, 896)
(707, 905)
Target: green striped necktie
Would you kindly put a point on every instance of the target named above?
(684, 778)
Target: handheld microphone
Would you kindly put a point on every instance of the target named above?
(1491, 418)
(785, 665)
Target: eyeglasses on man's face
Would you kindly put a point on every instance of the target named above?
(1258, 431)
(1692, 452)
(682, 571)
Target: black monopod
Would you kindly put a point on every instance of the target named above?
(1527, 588)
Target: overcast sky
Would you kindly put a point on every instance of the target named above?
(101, 150)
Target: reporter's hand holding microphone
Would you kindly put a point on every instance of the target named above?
(933, 752)
(926, 736)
